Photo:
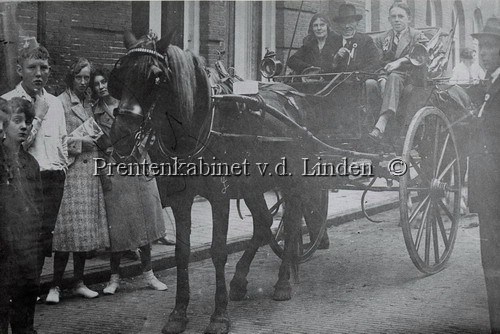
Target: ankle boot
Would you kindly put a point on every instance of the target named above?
(113, 284)
(82, 290)
(153, 282)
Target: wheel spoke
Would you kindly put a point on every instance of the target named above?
(435, 236)
(427, 240)
(443, 173)
(279, 230)
(419, 170)
(441, 228)
(442, 152)
(434, 152)
(423, 223)
(448, 213)
(417, 209)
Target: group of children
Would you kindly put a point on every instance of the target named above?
(21, 209)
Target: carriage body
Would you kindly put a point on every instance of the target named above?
(430, 135)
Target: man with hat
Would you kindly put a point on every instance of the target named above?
(356, 51)
(484, 182)
(395, 46)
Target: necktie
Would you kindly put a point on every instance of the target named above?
(396, 38)
(347, 43)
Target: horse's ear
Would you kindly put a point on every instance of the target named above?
(129, 39)
(163, 43)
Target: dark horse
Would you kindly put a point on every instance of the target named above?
(166, 109)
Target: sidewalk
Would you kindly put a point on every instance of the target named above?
(344, 206)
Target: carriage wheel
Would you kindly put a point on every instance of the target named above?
(430, 190)
(306, 247)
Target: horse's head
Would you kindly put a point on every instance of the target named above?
(164, 91)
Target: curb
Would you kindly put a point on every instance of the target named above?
(101, 273)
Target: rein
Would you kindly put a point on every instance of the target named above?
(145, 136)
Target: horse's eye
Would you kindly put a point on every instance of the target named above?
(116, 111)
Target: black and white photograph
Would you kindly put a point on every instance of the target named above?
(250, 167)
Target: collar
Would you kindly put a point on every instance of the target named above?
(344, 39)
(24, 94)
(401, 33)
(75, 99)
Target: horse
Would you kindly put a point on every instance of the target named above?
(166, 110)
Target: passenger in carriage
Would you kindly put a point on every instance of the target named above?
(318, 49)
(396, 45)
(355, 50)
(484, 182)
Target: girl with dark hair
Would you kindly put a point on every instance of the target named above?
(134, 212)
(319, 47)
(81, 225)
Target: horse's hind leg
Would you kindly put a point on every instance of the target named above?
(219, 321)
(262, 221)
(177, 320)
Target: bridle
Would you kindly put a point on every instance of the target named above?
(145, 136)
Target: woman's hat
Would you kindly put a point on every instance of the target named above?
(492, 28)
(347, 12)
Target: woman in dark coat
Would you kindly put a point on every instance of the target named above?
(134, 212)
(319, 47)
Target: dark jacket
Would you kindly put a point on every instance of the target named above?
(309, 55)
(21, 208)
(484, 178)
(366, 56)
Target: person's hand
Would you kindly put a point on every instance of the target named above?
(342, 53)
(41, 105)
(392, 66)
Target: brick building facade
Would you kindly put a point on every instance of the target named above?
(242, 29)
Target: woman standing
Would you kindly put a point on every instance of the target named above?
(135, 216)
(81, 224)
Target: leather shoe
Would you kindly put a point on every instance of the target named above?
(376, 135)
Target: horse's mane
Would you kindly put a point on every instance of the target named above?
(186, 69)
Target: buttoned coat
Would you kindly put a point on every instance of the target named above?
(81, 224)
(134, 211)
(484, 178)
(21, 209)
(365, 57)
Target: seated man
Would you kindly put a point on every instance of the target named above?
(350, 51)
(396, 45)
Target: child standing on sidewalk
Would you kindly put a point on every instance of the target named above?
(21, 206)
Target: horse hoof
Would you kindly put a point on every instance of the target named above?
(218, 325)
(238, 289)
(176, 324)
(282, 292)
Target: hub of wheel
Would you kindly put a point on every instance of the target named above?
(438, 188)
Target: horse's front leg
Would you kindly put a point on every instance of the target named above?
(291, 216)
(262, 221)
(177, 320)
(219, 321)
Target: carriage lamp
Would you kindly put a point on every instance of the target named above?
(270, 66)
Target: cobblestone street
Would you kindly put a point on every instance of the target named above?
(365, 283)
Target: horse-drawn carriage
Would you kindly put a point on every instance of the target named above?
(167, 108)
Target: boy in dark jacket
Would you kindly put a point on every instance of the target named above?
(20, 223)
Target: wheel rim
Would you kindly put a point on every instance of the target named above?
(306, 247)
(430, 190)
